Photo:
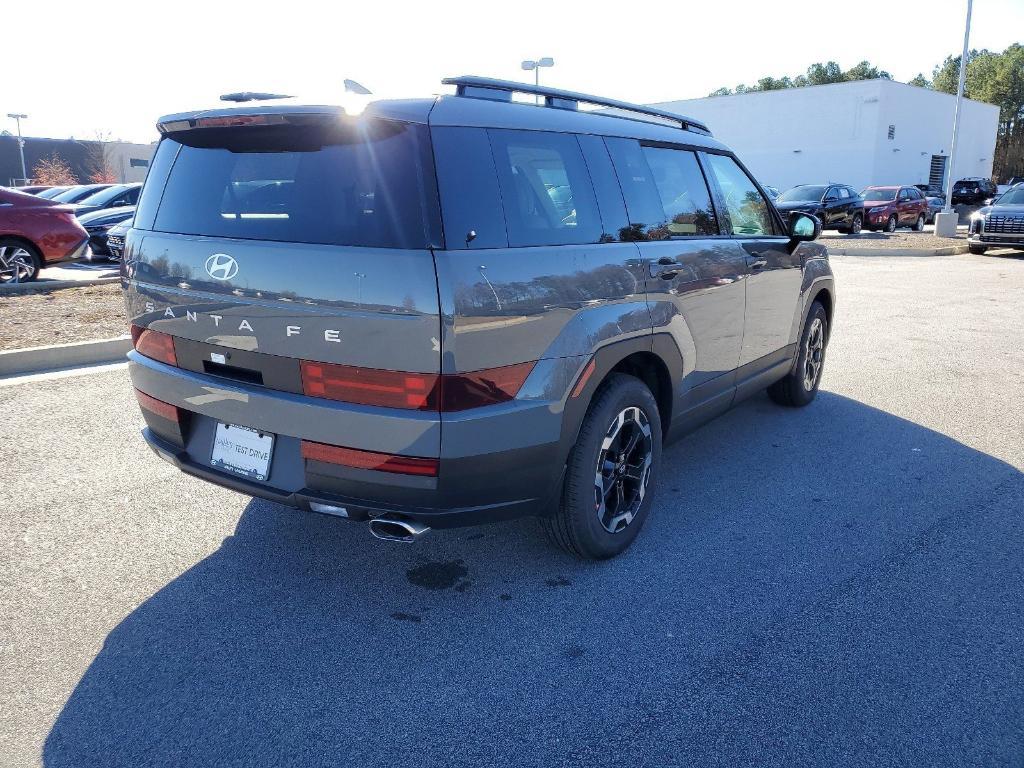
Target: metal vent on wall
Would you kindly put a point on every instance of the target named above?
(937, 172)
(892, 132)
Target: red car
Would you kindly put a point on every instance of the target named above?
(890, 207)
(35, 232)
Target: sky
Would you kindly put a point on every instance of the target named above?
(112, 68)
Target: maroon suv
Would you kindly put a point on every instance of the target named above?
(890, 207)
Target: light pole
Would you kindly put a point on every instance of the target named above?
(21, 142)
(547, 61)
(945, 222)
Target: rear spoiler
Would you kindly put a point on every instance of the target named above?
(254, 115)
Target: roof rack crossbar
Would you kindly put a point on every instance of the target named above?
(466, 84)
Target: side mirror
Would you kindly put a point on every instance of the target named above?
(803, 227)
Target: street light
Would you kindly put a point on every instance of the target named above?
(946, 221)
(547, 61)
(21, 142)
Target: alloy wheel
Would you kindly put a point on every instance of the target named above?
(856, 226)
(814, 353)
(16, 262)
(623, 469)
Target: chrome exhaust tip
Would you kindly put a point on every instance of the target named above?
(396, 529)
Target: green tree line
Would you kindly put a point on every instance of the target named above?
(992, 77)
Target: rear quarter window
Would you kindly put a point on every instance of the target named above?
(546, 189)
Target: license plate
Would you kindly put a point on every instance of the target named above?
(243, 451)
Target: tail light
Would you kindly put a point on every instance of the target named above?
(462, 391)
(367, 386)
(416, 391)
(382, 462)
(155, 345)
(159, 407)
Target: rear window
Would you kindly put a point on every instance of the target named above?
(368, 183)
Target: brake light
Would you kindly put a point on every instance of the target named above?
(237, 120)
(416, 391)
(159, 407)
(382, 462)
(155, 345)
(368, 386)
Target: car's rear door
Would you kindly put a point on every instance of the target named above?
(694, 273)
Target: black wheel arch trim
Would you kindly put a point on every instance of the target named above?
(660, 346)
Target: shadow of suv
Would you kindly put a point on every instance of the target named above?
(461, 309)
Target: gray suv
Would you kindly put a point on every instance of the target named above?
(461, 309)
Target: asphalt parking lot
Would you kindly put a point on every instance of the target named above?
(838, 585)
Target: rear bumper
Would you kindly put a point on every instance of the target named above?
(496, 463)
(78, 251)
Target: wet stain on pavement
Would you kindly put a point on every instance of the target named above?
(504, 597)
(575, 652)
(559, 581)
(435, 576)
(399, 616)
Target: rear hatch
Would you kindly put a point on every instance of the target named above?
(270, 246)
(304, 238)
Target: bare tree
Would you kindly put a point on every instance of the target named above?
(99, 164)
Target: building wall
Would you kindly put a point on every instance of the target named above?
(130, 161)
(76, 154)
(839, 132)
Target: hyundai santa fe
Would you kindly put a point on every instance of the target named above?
(461, 309)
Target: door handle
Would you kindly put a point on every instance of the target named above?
(756, 262)
(666, 268)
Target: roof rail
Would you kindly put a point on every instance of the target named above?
(478, 87)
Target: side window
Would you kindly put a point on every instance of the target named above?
(844, 193)
(748, 210)
(468, 185)
(546, 189)
(666, 194)
(831, 194)
(904, 195)
(132, 197)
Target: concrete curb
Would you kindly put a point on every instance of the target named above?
(49, 285)
(952, 250)
(34, 359)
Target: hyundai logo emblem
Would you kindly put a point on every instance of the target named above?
(220, 266)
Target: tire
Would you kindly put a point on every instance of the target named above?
(977, 250)
(919, 224)
(589, 526)
(856, 225)
(24, 256)
(890, 224)
(799, 387)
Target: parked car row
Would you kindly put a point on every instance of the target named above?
(40, 225)
(883, 207)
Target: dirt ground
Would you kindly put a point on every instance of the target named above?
(61, 316)
(901, 238)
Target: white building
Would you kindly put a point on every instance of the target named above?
(858, 133)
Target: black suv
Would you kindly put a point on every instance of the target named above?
(837, 206)
(460, 309)
(973, 191)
